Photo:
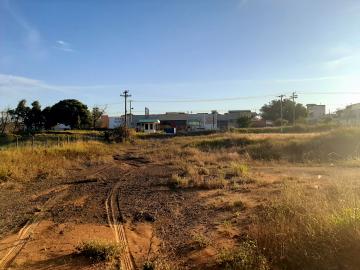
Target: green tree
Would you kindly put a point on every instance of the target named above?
(272, 111)
(71, 112)
(34, 119)
(49, 120)
(244, 122)
(20, 115)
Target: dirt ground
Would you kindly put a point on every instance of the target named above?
(180, 228)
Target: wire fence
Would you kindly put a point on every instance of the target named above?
(36, 141)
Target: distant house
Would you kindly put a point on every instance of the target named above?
(148, 125)
(315, 112)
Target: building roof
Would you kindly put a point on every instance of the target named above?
(149, 121)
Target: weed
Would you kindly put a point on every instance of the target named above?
(200, 240)
(149, 266)
(239, 205)
(236, 169)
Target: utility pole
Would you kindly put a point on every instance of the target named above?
(125, 94)
(281, 111)
(294, 96)
(131, 108)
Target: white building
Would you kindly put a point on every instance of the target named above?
(148, 125)
(315, 112)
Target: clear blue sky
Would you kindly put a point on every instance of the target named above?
(180, 49)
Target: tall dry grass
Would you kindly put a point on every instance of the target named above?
(27, 164)
(341, 144)
(313, 227)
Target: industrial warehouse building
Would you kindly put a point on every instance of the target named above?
(181, 121)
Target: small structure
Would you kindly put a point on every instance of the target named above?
(315, 112)
(148, 125)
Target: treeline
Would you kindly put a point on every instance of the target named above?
(69, 112)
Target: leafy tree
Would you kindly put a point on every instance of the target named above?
(49, 120)
(96, 114)
(244, 122)
(71, 112)
(20, 115)
(272, 111)
(34, 120)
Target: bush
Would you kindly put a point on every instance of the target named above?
(99, 251)
(119, 134)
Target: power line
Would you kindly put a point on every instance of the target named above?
(294, 96)
(230, 98)
(125, 94)
(281, 111)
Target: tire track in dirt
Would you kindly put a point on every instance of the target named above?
(24, 235)
(115, 220)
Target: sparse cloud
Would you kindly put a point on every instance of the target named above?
(63, 46)
(32, 35)
(343, 56)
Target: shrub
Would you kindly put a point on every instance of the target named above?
(99, 251)
(119, 134)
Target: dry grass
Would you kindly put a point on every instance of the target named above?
(41, 163)
(244, 257)
(305, 227)
(340, 144)
(312, 227)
